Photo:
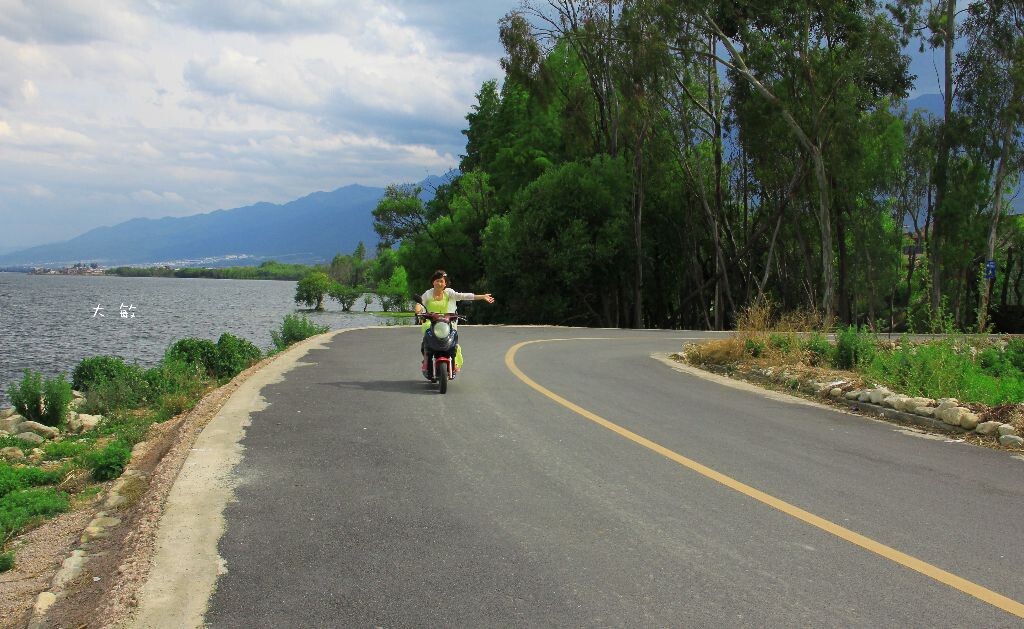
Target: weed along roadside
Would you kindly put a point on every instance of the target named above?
(972, 386)
(76, 457)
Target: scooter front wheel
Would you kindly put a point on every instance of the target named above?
(442, 377)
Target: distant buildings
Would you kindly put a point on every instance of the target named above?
(78, 269)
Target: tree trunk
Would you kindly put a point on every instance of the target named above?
(997, 211)
(942, 164)
(1006, 276)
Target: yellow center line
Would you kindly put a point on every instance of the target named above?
(968, 587)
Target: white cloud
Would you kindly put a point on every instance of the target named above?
(67, 21)
(29, 91)
(255, 80)
(35, 190)
(146, 149)
(148, 196)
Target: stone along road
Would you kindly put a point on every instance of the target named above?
(573, 482)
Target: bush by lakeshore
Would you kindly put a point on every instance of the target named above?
(130, 399)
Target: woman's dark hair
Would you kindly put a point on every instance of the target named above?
(438, 274)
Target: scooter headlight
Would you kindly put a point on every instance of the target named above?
(442, 329)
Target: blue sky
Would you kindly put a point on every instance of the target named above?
(116, 109)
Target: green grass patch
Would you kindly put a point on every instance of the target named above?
(23, 507)
(15, 478)
(67, 449)
(108, 463)
(6, 561)
(948, 368)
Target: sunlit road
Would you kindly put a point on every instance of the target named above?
(368, 499)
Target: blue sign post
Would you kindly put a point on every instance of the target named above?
(990, 270)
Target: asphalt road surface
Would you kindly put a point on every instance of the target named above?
(616, 491)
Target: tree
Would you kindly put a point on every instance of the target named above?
(312, 288)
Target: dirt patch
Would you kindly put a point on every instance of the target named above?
(107, 589)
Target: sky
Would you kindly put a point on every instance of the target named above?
(116, 109)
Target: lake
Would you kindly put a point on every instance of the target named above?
(48, 323)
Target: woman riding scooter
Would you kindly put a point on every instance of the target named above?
(442, 299)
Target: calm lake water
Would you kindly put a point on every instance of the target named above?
(50, 323)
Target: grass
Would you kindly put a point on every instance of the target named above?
(980, 369)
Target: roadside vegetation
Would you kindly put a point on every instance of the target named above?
(974, 369)
(94, 420)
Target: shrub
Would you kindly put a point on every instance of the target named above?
(1015, 353)
(96, 369)
(782, 342)
(194, 351)
(109, 462)
(177, 386)
(27, 395)
(56, 397)
(346, 295)
(20, 508)
(15, 478)
(233, 355)
(818, 349)
(295, 329)
(44, 401)
(854, 347)
(6, 561)
(754, 347)
(126, 390)
(942, 369)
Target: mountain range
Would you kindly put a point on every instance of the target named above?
(311, 229)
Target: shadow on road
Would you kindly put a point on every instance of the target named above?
(411, 385)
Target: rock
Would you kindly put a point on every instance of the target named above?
(876, 396)
(43, 603)
(78, 395)
(948, 401)
(922, 401)
(852, 395)
(11, 423)
(36, 455)
(836, 392)
(865, 396)
(1011, 440)
(70, 569)
(895, 401)
(7, 412)
(949, 415)
(12, 454)
(968, 420)
(987, 428)
(1007, 429)
(87, 422)
(76, 404)
(40, 429)
(30, 437)
(924, 411)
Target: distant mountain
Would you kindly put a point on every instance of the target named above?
(311, 229)
(931, 103)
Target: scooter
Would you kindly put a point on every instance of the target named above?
(439, 344)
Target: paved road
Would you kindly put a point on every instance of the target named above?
(367, 499)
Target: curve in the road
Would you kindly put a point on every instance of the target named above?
(942, 576)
